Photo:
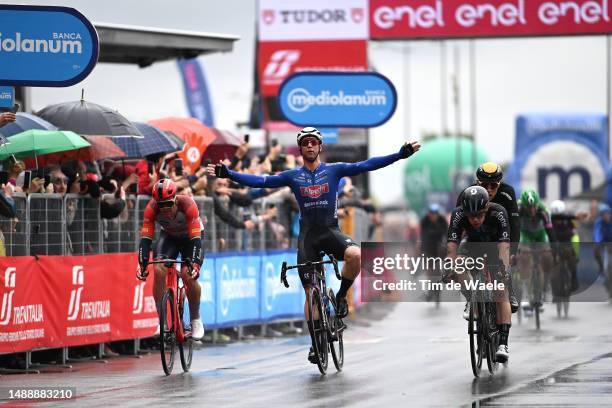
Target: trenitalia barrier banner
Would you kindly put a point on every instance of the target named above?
(560, 155)
(278, 60)
(281, 20)
(45, 46)
(333, 99)
(61, 301)
(395, 19)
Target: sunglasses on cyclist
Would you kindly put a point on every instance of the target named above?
(165, 204)
(489, 184)
(479, 214)
(308, 141)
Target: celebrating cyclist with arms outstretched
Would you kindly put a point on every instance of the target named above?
(181, 232)
(315, 186)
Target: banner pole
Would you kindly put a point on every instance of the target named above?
(473, 101)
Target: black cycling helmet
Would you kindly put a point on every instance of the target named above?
(489, 171)
(475, 199)
(309, 131)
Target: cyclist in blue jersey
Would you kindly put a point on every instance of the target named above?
(315, 186)
(602, 235)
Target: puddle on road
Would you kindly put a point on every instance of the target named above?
(574, 374)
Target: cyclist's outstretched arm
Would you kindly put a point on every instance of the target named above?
(375, 163)
(258, 181)
(222, 171)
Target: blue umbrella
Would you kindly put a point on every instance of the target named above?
(154, 141)
(25, 121)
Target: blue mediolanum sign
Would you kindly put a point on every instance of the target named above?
(45, 46)
(7, 96)
(337, 99)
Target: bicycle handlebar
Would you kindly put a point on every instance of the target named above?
(330, 260)
(168, 262)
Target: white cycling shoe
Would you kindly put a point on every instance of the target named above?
(466, 311)
(502, 354)
(197, 329)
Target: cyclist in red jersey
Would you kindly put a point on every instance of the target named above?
(181, 232)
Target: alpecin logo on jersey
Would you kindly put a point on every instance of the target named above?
(314, 191)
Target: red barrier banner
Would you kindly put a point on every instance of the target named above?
(395, 19)
(58, 301)
(25, 313)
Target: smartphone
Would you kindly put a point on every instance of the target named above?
(178, 167)
(47, 179)
(150, 167)
(4, 176)
(16, 108)
(246, 138)
(27, 176)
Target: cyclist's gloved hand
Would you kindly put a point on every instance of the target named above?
(141, 272)
(406, 150)
(447, 275)
(195, 271)
(221, 171)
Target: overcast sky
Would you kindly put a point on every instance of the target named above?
(513, 76)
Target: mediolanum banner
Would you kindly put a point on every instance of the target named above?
(45, 46)
(281, 20)
(395, 19)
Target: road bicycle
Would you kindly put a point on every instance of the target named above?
(172, 328)
(327, 330)
(482, 324)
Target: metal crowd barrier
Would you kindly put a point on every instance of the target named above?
(14, 230)
(51, 224)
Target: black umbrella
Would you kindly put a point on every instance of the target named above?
(87, 118)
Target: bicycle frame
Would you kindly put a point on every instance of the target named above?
(178, 292)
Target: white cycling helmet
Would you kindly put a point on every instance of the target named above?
(557, 207)
(309, 131)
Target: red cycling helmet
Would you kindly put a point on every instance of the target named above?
(164, 190)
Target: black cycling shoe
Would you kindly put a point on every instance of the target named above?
(312, 357)
(342, 307)
(514, 304)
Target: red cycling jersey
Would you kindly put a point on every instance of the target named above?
(185, 224)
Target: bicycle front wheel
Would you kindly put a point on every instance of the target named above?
(186, 347)
(336, 328)
(167, 338)
(492, 337)
(318, 331)
(475, 332)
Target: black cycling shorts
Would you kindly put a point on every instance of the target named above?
(316, 239)
(168, 247)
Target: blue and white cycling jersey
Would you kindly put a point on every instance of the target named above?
(316, 191)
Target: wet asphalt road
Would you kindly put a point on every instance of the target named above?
(405, 353)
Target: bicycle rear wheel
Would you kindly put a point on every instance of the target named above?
(185, 348)
(167, 339)
(318, 334)
(475, 332)
(537, 296)
(336, 328)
